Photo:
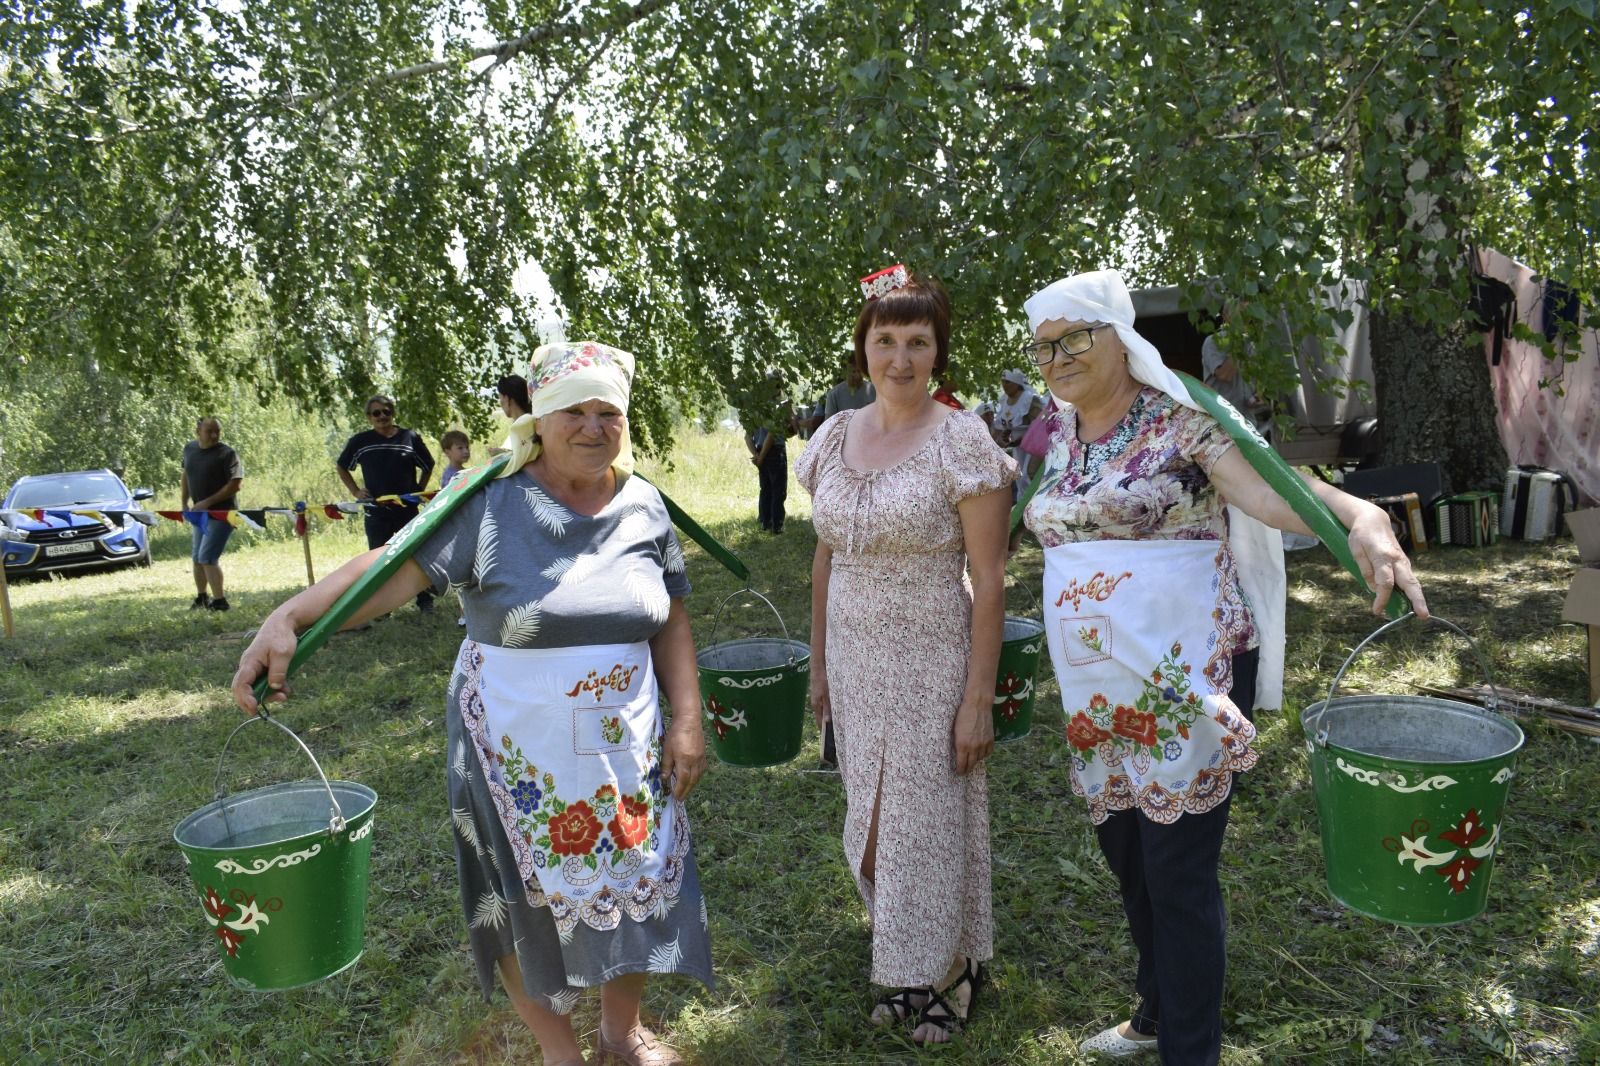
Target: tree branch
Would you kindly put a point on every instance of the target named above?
(502, 51)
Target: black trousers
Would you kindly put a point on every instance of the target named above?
(1179, 922)
(774, 475)
(384, 522)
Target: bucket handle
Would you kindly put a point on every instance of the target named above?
(717, 621)
(1017, 582)
(336, 822)
(1483, 664)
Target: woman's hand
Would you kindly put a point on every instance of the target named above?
(973, 735)
(268, 654)
(1382, 561)
(821, 703)
(683, 754)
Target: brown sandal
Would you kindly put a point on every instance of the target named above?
(640, 1048)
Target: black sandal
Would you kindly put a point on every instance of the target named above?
(947, 1019)
(902, 1005)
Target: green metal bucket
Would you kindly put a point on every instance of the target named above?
(1015, 676)
(753, 693)
(1411, 795)
(281, 874)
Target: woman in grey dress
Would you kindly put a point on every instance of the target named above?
(565, 790)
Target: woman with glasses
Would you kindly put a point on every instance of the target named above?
(1162, 639)
(909, 501)
(393, 461)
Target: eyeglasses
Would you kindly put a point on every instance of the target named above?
(1075, 343)
(381, 412)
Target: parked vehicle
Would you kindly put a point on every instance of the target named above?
(62, 541)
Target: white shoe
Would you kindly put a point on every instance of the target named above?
(1113, 1045)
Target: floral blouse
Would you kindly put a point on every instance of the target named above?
(1148, 478)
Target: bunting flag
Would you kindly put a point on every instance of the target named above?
(405, 499)
(255, 518)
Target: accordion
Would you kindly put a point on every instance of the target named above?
(1534, 501)
(1471, 519)
(1405, 519)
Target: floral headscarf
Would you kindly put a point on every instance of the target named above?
(561, 375)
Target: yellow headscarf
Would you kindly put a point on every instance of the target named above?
(565, 374)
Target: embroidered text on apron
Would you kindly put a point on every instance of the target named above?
(569, 740)
(1132, 628)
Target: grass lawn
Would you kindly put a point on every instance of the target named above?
(113, 710)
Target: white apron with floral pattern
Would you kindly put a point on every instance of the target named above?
(569, 740)
(1133, 633)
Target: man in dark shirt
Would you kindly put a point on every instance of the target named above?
(393, 460)
(212, 475)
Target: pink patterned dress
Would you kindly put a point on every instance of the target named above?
(899, 635)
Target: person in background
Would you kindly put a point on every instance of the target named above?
(851, 394)
(1221, 373)
(945, 395)
(393, 461)
(513, 390)
(457, 451)
(211, 478)
(771, 458)
(1011, 415)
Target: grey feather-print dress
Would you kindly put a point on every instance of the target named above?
(571, 853)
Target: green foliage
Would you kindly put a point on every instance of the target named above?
(702, 181)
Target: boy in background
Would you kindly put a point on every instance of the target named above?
(457, 450)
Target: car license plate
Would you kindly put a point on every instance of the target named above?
(69, 549)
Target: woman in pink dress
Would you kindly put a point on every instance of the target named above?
(909, 498)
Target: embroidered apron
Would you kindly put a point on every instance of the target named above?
(569, 740)
(1133, 632)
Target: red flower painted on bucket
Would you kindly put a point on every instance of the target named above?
(215, 906)
(1012, 703)
(575, 830)
(230, 940)
(1083, 734)
(1466, 832)
(1459, 872)
(1138, 726)
(632, 823)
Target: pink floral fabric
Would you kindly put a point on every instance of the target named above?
(899, 635)
(1146, 479)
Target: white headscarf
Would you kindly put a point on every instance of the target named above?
(565, 374)
(1101, 296)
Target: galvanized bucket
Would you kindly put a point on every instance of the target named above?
(754, 693)
(1411, 794)
(281, 873)
(1014, 678)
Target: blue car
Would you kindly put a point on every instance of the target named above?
(70, 542)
